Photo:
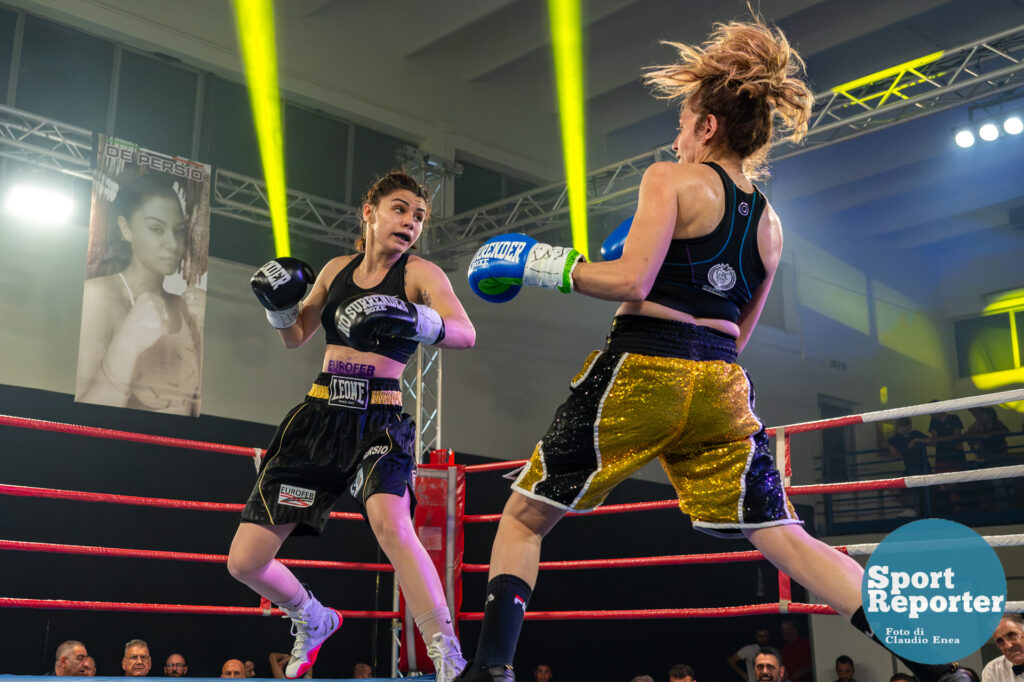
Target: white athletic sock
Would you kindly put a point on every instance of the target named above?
(434, 621)
(298, 600)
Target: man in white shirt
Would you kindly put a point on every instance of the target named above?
(1009, 638)
(747, 654)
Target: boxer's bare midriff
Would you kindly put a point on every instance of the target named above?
(665, 313)
(344, 360)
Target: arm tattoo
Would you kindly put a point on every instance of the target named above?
(426, 298)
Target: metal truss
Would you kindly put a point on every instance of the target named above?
(918, 88)
(422, 394)
(245, 198)
(944, 80)
(609, 189)
(48, 144)
(952, 78)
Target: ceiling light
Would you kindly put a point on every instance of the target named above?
(1013, 125)
(964, 138)
(988, 132)
(39, 204)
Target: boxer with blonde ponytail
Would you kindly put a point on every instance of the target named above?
(692, 274)
(748, 76)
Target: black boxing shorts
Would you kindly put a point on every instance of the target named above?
(348, 435)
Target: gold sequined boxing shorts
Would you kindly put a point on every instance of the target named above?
(696, 416)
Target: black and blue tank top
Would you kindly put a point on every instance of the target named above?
(715, 275)
(343, 288)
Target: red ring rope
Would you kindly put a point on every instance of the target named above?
(94, 432)
(57, 494)
(15, 602)
(880, 484)
(178, 556)
(644, 614)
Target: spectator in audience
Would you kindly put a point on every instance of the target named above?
(945, 430)
(1009, 639)
(796, 654)
(250, 668)
(89, 667)
(175, 666)
(762, 637)
(768, 665)
(844, 669)
(642, 678)
(136, 661)
(362, 671)
(910, 445)
(681, 673)
(902, 677)
(278, 662)
(988, 436)
(543, 673)
(69, 659)
(233, 668)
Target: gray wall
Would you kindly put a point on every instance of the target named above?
(498, 397)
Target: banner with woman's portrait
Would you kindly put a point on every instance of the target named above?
(141, 343)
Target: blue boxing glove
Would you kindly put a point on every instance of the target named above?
(611, 249)
(506, 263)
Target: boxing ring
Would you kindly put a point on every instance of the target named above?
(440, 519)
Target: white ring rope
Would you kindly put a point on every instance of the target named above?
(928, 408)
(993, 541)
(924, 480)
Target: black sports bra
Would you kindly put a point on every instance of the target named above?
(714, 276)
(343, 288)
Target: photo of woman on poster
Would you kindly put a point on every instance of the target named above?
(144, 294)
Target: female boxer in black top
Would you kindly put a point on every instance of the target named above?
(350, 435)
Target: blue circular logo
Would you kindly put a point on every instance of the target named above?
(933, 591)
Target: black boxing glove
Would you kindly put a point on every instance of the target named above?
(366, 321)
(280, 285)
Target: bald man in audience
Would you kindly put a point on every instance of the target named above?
(233, 668)
(69, 659)
(89, 667)
(1009, 639)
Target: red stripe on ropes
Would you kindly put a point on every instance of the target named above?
(16, 603)
(495, 466)
(825, 424)
(606, 509)
(788, 471)
(55, 493)
(94, 432)
(643, 614)
(637, 562)
(785, 588)
(852, 486)
(178, 556)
